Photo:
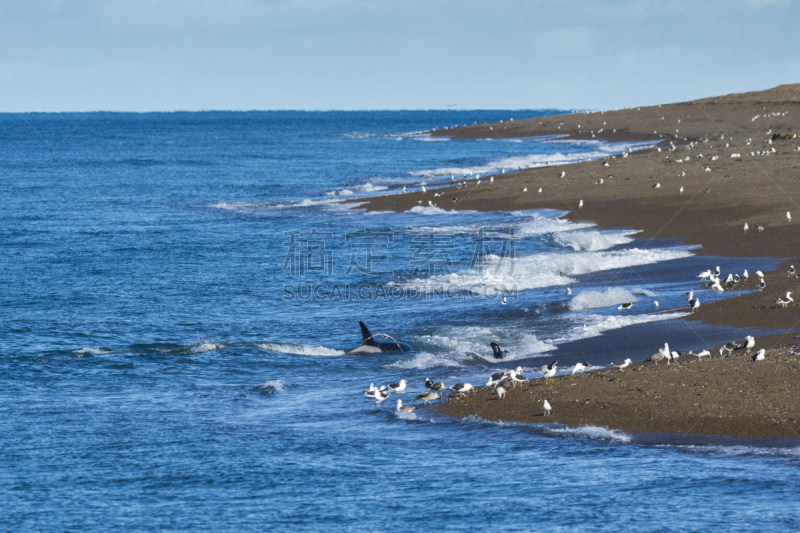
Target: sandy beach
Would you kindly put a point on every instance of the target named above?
(713, 166)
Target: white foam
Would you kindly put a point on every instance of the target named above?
(369, 187)
(276, 384)
(542, 270)
(595, 149)
(345, 192)
(742, 450)
(593, 241)
(589, 326)
(204, 347)
(592, 432)
(599, 299)
(300, 349)
(429, 210)
(458, 346)
(93, 351)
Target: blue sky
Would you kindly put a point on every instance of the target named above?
(148, 55)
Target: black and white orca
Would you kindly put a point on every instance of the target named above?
(378, 343)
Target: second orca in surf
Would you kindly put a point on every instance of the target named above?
(378, 343)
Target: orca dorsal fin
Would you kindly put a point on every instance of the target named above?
(366, 336)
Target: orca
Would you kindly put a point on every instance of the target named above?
(378, 343)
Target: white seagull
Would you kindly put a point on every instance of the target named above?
(546, 407)
(624, 364)
(406, 408)
(746, 227)
(751, 342)
(503, 301)
(760, 356)
(461, 387)
(783, 302)
(695, 304)
(562, 174)
(579, 367)
(399, 387)
(580, 204)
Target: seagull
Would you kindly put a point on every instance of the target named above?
(455, 199)
(788, 215)
(729, 348)
(548, 371)
(791, 271)
(690, 294)
(406, 408)
(751, 342)
(516, 377)
(784, 302)
(716, 272)
(496, 378)
(624, 364)
(579, 367)
(399, 387)
(761, 284)
(423, 189)
(504, 301)
(700, 355)
(580, 204)
(657, 186)
(681, 189)
(404, 189)
(746, 227)
(694, 304)
(496, 351)
(370, 391)
(759, 274)
(655, 304)
(427, 396)
(673, 356)
(525, 189)
(381, 395)
(461, 387)
(705, 274)
(745, 275)
(760, 356)
(656, 357)
(760, 227)
(562, 174)
(625, 307)
(569, 291)
(501, 391)
(546, 407)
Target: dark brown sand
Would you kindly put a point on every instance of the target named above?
(732, 396)
(710, 212)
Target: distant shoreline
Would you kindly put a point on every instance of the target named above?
(643, 191)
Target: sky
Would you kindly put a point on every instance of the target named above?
(156, 55)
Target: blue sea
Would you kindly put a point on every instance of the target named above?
(178, 292)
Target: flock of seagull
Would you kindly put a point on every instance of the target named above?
(503, 381)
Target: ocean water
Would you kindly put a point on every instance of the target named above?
(178, 292)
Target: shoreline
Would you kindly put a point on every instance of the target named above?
(699, 184)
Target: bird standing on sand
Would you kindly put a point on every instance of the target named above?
(562, 174)
(690, 295)
(580, 204)
(761, 284)
(461, 387)
(694, 304)
(548, 371)
(404, 189)
(423, 189)
(399, 387)
(788, 215)
(746, 227)
(406, 408)
(625, 364)
(700, 355)
(501, 391)
(783, 302)
(579, 367)
(547, 408)
(791, 271)
(751, 342)
(760, 356)
(427, 396)
(656, 357)
(516, 377)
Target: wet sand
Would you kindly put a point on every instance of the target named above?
(724, 187)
